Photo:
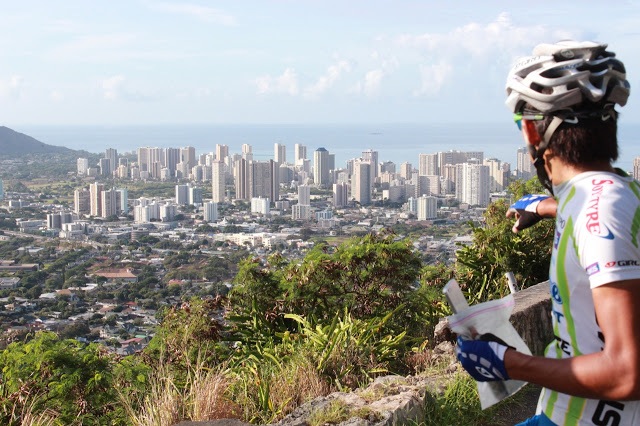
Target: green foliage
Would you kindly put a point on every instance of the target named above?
(188, 333)
(368, 276)
(350, 351)
(74, 380)
(481, 266)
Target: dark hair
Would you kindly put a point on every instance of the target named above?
(590, 140)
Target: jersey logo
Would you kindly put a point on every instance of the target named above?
(594, 225)
(594, 268)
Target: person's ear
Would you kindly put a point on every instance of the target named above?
(531, 134)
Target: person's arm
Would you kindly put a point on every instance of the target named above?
(612, 374)
(530, 209)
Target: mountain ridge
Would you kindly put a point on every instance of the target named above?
(14, 143)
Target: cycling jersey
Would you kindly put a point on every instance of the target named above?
(596, 242)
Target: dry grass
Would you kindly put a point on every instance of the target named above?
(201, 398)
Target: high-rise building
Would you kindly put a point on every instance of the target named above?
(171, 160)
(264, 179)
(182, 194)
(222, 152)
(427, 207)
(95, 202)
(524, 169)
(635, 173)
(188, 155)
(109, 201)
(280, 153)
(82, 201)
(299, 154)
(123, 200)
(361, 182)
(427, 185)
(406, 169)
(1, 190)
(472, 186)
(497, 176)
(321, 167)
(260, 205)
(428, 164)
(210, 211)
(217, 181)
(340, 194)
(105, 167)
(83, 166)
(371, 157)
(302, 210)
(247, 152)
(241, 177)
(112, 155)
(195, 195)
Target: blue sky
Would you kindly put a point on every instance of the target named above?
(349, 61)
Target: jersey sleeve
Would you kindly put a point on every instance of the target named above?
(609, 241)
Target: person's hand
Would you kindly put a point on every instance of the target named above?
(483, 359)
(526, 211)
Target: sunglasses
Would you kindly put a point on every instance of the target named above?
(517, 118)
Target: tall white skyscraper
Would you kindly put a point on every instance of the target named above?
(371, 157)
(217, 181)
(321, 167)
(280, 153)
(340, 194)
(95, 190)
(497, 178)
(109, 202)
(302, 210)
(182, 194)
(247, 152)
(299, 154)
(406, 169)
(427, 207)
(222, 152)
(472, 186)
(361, 182)
(428, 164)
(83, 166)
(111, 154)
(210, 211)
(525, 168)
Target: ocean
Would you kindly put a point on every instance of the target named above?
(398, 143)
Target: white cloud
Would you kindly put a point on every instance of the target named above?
(12, 87)
(286, 83)
(326, 81)
(113, 88)
(433, 78)
(56, 96)
(93, 46)
(202, 13)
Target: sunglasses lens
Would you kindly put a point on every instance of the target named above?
(519, 124)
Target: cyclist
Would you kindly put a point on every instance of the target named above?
(564, 99)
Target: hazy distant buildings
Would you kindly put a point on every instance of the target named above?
(525, 169)
(1, 190)
(302, 210)
(299, 154)
(636, 169)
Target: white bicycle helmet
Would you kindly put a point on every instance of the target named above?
(566, 74)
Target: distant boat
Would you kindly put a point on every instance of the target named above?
(375, 133)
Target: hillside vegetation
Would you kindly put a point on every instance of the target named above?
(287, 332)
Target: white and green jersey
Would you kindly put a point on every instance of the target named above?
(596, 242)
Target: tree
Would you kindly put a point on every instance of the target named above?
(481, 266)
(72, 379)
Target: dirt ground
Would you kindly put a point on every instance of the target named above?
(522, 407)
